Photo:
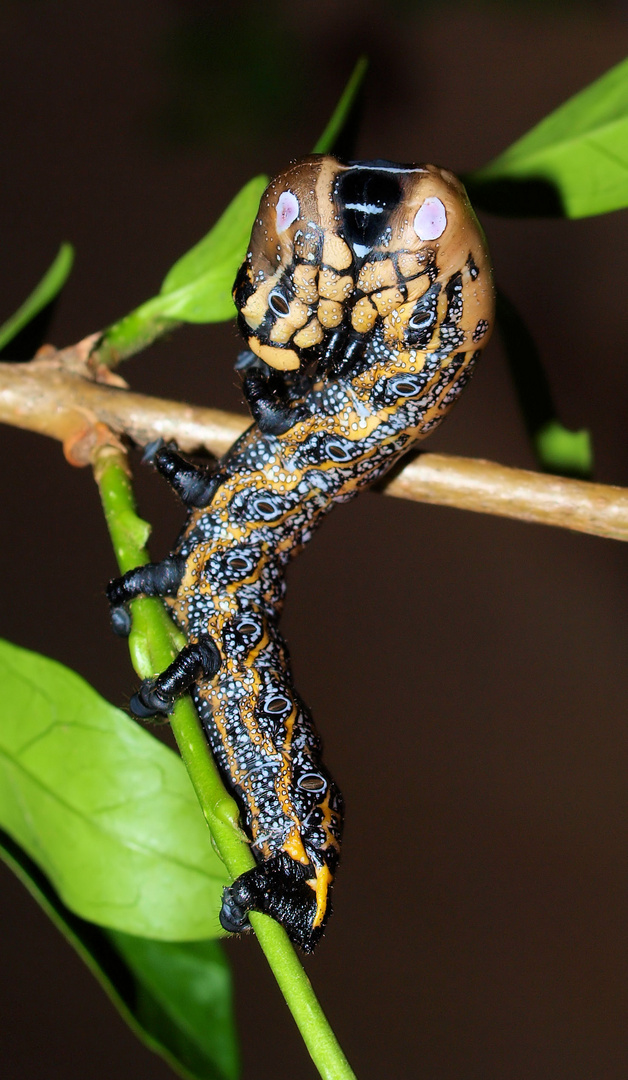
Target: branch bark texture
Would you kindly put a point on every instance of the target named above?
(56, 395)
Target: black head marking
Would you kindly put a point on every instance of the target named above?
(366, 199)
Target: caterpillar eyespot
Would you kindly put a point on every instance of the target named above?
(337, 452)
(405, 385)
(421, 319)
(246, 627)
(365, 299)
(278, 704)
(311, 782)
(278, 303)
(238, 563)
(266, 508)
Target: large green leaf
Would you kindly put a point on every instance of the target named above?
(579, 152)
(103, 808)
(184, 996)
(175, 996)
(50, 286)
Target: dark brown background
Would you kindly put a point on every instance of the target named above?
(468, 673)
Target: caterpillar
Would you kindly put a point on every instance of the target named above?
(365, 299)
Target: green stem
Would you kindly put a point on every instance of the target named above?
(153, 642)
(133, 333)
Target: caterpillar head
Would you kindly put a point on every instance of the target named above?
(338, 250)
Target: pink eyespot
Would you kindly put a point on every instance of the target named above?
(430, 220)
(287, 210)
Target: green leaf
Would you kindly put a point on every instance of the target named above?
(562, 451)
(197, 289)
(225, 245)
(176, 997)
(104, 809)
(50, 286)
(580, 151)
(338, 119)
(185, 996)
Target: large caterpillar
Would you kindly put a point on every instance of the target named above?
(365, 298)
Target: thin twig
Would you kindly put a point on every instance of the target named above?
(152, 649)
(55, 395)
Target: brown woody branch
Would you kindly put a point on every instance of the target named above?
(57, 395)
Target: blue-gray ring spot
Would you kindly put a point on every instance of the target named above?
(311, 782)
(277, 703)
(405, 385)
(338, 452)
(267, 507)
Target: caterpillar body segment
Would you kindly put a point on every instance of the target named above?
(365, 298)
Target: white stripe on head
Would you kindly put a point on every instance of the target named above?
(365, 208)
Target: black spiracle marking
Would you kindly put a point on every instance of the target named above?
(472, 268)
